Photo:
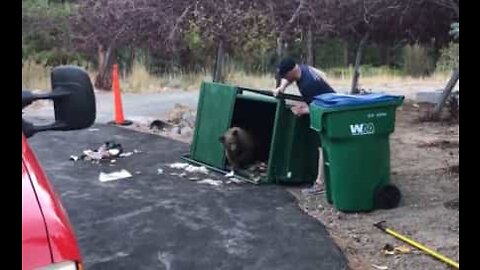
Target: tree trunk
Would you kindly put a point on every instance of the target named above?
(346, 54)
(103, 80)
(358, 59)
(130, 61)
(279, 49)
(446, 92)
(309, 46)
(218, 75)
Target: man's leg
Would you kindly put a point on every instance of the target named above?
(319, 182)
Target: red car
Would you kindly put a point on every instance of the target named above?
(48, 239)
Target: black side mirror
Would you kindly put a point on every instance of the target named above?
(73, 100)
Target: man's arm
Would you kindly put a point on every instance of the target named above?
(283, 85)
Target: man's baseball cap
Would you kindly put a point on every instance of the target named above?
(285, 66)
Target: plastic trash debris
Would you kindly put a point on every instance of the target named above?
(210, 182)
(93, 129)
(108, 150)
(127, 154)
(403, 249)
(159, 171)
(314, 189)
(138, 172)
(230, 174)
(89, 155)
(388, 250)
(235, 181)
(113, 149)
(193, 169)
(113, 161)
(380, 267)
(106, 177)
(193, 178)
(189, 168)
(179, 165)
(257, 171)
(73, 158)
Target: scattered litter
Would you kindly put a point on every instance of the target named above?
(257, 171)
(127, 154)
(159, 171)
(314, 189)
(113, 161)
(114, 152)
(193, 169)
(179, 165)
(89, 155)
(256, 179)
(189, 168)
(388, 250)
(235, 180)
(136, 151)
(138, 172)
(403, 249)
(106, 177)
(210, 182)
(193, 178)
(93, 129)
(380, 267)
(108, 150)
(230, 174)
(178, 174)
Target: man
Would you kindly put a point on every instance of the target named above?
(311, 82)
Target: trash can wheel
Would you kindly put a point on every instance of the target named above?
(387, 197)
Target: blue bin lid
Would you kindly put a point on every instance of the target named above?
(332, 100)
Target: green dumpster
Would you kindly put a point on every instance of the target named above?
(355, 144)
(288, 146)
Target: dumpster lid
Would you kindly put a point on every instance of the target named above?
(335, 100)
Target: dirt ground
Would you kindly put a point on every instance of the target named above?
(424, 160)
(424, 164)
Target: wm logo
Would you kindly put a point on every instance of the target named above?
(362, 129)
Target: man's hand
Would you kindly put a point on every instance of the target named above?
(283, 85)
(300, 109)
(277, 91)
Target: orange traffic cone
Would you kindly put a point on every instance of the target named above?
(117, 98)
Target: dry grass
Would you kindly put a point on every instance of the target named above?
(36, 76)
(140, 80)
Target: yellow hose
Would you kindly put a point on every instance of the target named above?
(423, 248)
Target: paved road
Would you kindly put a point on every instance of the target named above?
(153, 221)
(137, 107)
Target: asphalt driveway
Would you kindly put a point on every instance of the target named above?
(164, 221)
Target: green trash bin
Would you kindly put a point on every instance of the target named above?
(355, 144)
(287, 145)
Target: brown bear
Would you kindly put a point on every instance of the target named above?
(239, 147)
